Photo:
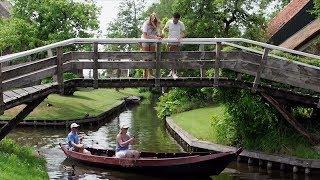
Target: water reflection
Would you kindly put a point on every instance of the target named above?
(151, 136)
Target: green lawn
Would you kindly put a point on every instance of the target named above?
(86, 101)
(198, 122)
(20, 163)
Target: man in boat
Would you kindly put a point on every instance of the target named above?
(123, 142)
(74, 141)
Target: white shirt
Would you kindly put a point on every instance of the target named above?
(175, 30)
(147, 28)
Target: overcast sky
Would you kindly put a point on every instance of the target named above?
(109, 11)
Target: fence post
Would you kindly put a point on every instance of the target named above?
(95, 65)
(158, 59)
(260, 69)
(201, 49)
(1, 92)
(217, 63)
(60, 69)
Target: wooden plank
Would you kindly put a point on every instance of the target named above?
(6, 98)
(20, 91)
(30, 90)
(11, 94)
(28, 79)
(116, 55)
(149, 64)
(95, 65)
(28, 67)
(294, 66)
(260, 69)
(277, 75)
(188, 55)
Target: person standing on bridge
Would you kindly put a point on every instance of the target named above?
(177, 30)
(74, 141)
(150, 30)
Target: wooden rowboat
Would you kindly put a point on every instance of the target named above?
(195, 163)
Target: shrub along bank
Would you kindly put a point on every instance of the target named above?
(20, 163)
(240, 118)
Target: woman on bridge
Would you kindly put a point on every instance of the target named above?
(150, 30)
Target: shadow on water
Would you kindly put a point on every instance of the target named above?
(151, 135)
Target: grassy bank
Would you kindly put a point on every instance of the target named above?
(201, 124)
(20, 162)
(84, 102)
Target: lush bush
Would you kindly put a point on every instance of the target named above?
(183, 99)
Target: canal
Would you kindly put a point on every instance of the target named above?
(150, 134)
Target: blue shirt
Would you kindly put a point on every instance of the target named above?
(72, 137)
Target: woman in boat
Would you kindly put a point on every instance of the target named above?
(123, 142)
(74, 141)
(150, 30)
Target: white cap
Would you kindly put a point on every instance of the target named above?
(74, 125)
(124, 126)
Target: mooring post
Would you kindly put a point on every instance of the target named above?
(158, 59)
(59, 73)
(1, 92)
(95, 65)
(260, 69)
(217, 63)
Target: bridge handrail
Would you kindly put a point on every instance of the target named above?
(139, 40)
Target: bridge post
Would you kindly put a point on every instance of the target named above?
(95, 65)
(260, 69)
(217, 63)
(1, 92)
(59, 73)
(202, 70)
(158, 59)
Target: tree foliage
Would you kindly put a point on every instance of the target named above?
(35, 23)
(128, 21)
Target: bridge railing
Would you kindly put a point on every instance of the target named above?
(243, 60)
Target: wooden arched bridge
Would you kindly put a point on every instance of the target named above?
(18, 82)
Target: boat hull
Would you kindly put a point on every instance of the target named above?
(191, 164)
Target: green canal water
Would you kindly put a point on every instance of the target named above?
(151, 135)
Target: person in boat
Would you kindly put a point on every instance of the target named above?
(75, 141)
(123, 142)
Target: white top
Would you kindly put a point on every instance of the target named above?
(175, 30)
(150, 30)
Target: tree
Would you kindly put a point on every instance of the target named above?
(48, 21)
(128, 21)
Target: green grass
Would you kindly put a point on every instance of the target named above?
(198, 122)
(20, 162)
(85, 101)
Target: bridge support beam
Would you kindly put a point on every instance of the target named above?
(311, 138)
(59, 72)
(95, 65)
(1, 92)
(260, 69)
(217, 63)
(5, 130)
